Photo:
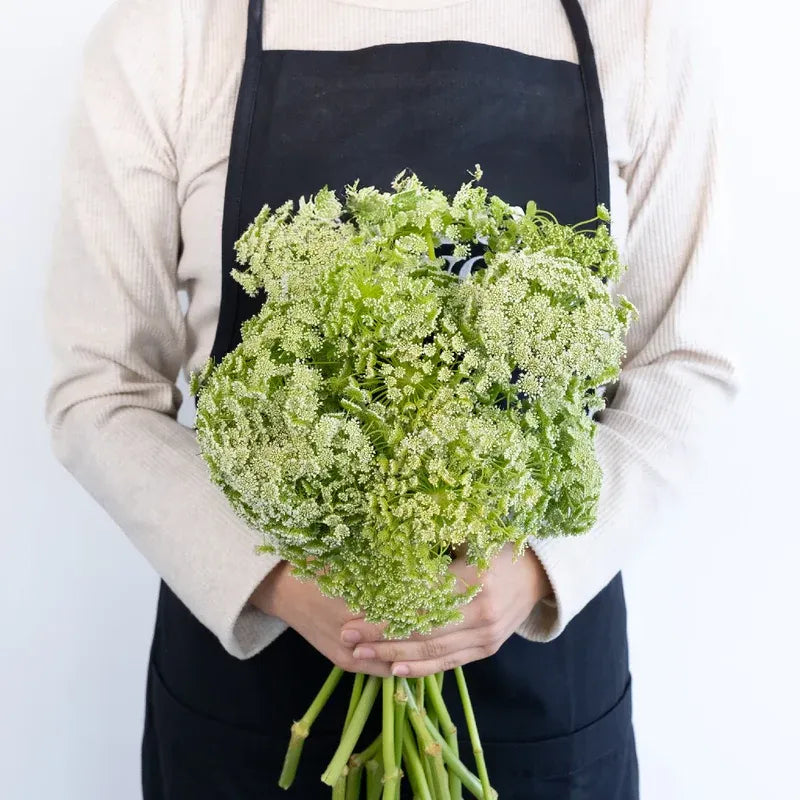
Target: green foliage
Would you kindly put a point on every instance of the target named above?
(368, 424)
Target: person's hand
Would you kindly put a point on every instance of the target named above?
(510, 591)
(318, 619)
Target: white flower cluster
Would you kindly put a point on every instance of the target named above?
(381, 413)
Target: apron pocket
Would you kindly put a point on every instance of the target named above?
(195, 756)
(597, 762)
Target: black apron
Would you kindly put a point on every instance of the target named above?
(555, 718)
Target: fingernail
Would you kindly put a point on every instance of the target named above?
(351, 637)
(364, 652)
(400, 670)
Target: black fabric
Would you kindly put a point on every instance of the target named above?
(555, 718)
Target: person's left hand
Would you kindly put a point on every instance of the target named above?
(510, 591)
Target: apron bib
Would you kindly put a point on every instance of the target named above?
(555, 718)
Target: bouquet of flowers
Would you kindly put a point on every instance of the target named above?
(419, 382)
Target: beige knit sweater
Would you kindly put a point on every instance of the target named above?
(141, 214)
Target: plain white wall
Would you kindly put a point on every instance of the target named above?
(712, 594)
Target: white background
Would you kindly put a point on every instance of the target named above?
(712, 596)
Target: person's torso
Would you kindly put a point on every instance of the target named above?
(211, 81)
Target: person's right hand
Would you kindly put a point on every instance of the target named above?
(318, 619)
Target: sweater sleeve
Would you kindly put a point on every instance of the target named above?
(117, 332)
(679, 371)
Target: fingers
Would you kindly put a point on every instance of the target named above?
(359, 630)
(424, 649)
(428, 656)
(488, 620)
(482, 613)
(418, 669)
(343, 657)
(377, 668)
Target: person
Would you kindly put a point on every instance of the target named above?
(191, 116)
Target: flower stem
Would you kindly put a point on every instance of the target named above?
(429, 241)
(433, 692)
(302, 728)
(431, 748)
(374, 773)
(430, 711)
(358, 684)
(439, 771)
(391, 769)
(353, 772)
(368, 753)
(340, 787)
(416, 772)
(400, 702)
(428, 772)
(350, 736)
(354, 776)
(472, 727)
(454, 763)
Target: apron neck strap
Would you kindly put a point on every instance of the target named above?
(254, 28)
(593, 97)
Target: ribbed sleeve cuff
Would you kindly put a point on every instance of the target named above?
(562, 563)
(244, 630)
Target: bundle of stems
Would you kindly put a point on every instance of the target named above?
(418, 742)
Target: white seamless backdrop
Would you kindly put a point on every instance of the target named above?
(711, 594)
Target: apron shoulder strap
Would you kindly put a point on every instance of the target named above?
(227, 325)
(594, 99)
(255, 16)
